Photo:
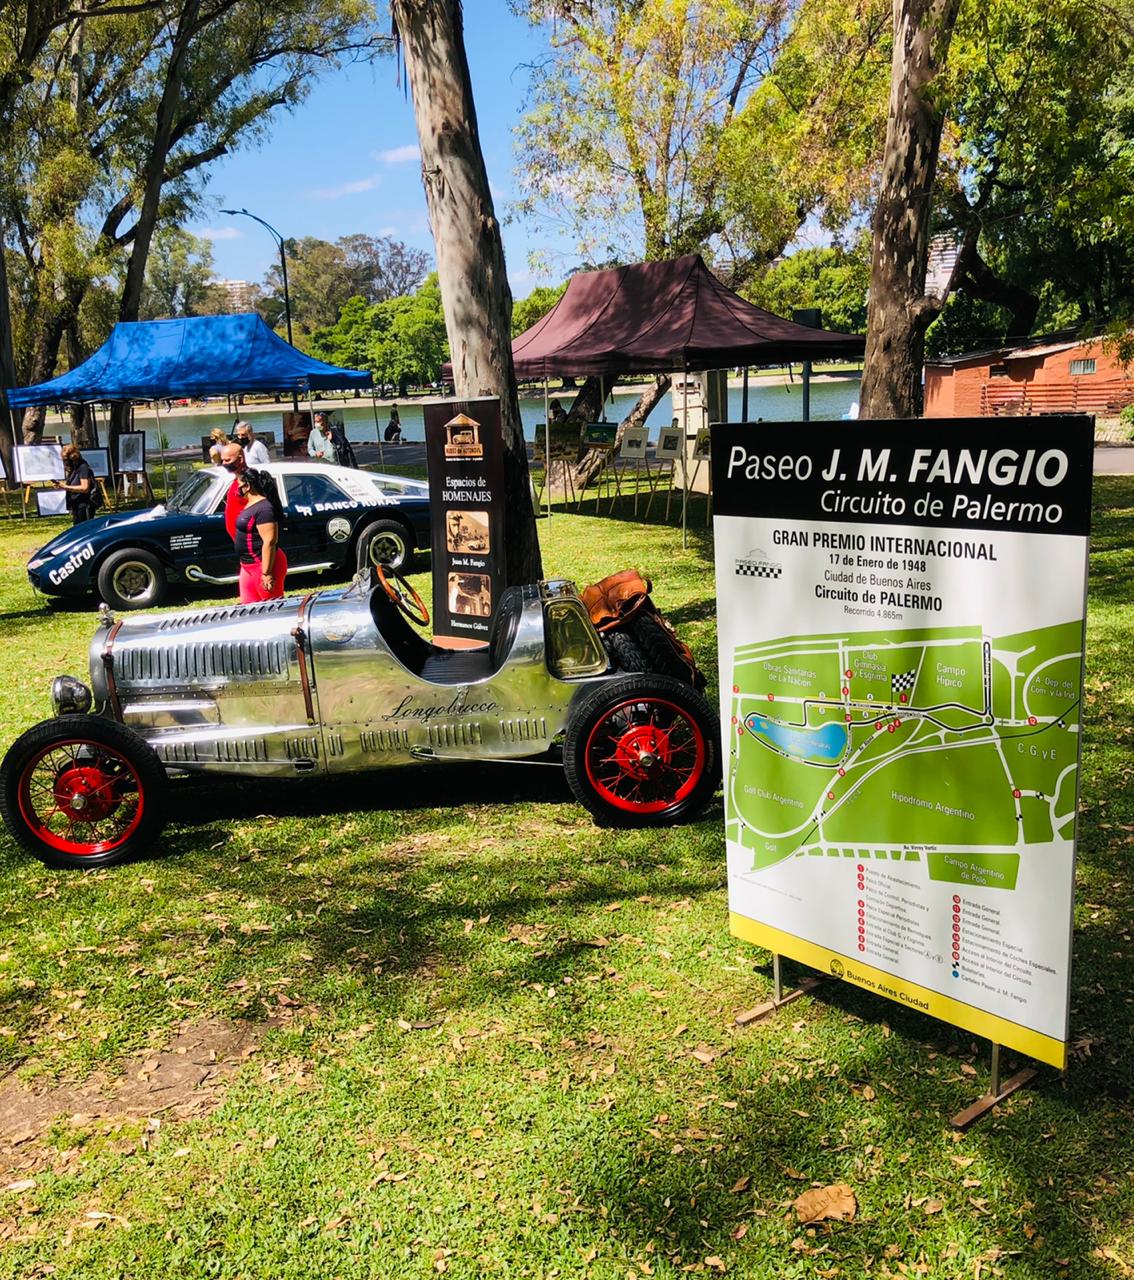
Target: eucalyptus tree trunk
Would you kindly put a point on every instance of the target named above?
(152, 179)
(470, 252)
(898, 312)
(153, 172)
(591, 463)
(7, 365)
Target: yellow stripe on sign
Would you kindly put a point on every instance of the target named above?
(1035, 1044)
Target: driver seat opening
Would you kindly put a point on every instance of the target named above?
(449, 666)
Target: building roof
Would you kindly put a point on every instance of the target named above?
(1033, 348)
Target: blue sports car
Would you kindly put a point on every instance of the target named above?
(331, 516)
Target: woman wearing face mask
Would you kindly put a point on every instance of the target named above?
(263, 565)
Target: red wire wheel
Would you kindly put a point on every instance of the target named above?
(82, 791)
(643, 750)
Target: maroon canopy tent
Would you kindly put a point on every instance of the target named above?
(654, 317)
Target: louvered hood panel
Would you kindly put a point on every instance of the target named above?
(205, 649)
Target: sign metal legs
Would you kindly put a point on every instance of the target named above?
(997, 1092)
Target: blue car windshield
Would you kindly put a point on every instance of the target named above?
(195, 495)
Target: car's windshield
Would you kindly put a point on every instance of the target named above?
(196, 494)
(390, 484)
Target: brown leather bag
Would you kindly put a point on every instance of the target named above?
(617, 598)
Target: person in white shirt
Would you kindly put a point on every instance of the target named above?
(255, 452)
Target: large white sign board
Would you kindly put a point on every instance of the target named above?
(901, 612)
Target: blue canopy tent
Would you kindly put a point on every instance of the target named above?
(152, 360)
(197, 356)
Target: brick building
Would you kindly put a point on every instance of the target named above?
(1056, 373)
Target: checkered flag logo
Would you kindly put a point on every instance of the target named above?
(758, 569)
(903, 683)
(757, 565)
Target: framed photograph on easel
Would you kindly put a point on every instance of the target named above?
(38, 463)
(131, 462)
(50, 502)
(131, 453)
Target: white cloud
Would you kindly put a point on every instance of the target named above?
(398, 155)
(345, 189)
(388, 231)
(220, 233)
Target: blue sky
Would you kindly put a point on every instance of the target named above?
(346, 160)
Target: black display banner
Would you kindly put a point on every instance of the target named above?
(1025, 475)
(464, 452)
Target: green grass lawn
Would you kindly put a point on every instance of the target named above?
(487, 1037)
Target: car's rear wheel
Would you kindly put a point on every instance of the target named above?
(388, 543)
(643, 751)
(81, 791)
(132, 579)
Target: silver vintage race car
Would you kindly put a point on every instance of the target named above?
(338, 682)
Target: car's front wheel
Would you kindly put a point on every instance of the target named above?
(132, 579)
(386, 543)
(82, 791)
(643, 751)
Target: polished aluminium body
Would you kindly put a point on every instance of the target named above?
(335, 682)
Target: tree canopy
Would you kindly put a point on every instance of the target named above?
(113, 121)
(324, 276)
(397, 339)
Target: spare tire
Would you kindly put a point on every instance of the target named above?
(652, 640)
(625, 652)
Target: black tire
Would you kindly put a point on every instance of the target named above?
(624, 651)
(132, 579)
(82, 791)
(643, 751)
(386, 542)
(650, 637)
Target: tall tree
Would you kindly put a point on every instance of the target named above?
(323, 276)
(470, 251)
(898, 312)
(146, 121)
(178, 276)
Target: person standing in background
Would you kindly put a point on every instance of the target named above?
(393, 432)
(263, 565)
(319, 444)
(344, 450)
(255, 451)
(219, 438)
(80, 485)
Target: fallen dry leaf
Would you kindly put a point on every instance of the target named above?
(24, 1184)
(835, 1202)
(717, 1264)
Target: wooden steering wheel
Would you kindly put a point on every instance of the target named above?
(403, 595)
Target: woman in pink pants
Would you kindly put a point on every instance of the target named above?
(263, 565)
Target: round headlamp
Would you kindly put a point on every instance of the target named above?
(69, 696)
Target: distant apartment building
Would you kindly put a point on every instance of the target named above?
(1055, 373)
(238, 294)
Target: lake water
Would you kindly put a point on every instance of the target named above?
(826, 744)
(771, 403)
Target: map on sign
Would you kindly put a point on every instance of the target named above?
(946, 746)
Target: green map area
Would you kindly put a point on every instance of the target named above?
(942, 743)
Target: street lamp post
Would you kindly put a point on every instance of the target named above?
(236, 213)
